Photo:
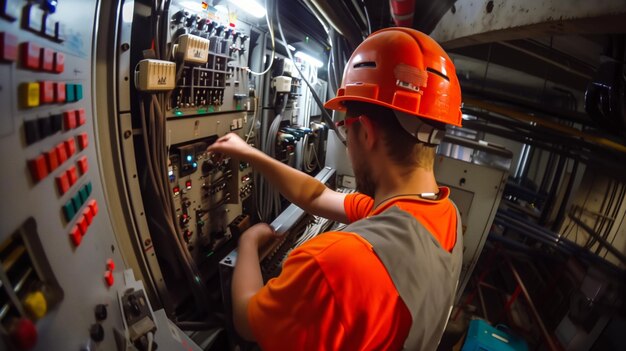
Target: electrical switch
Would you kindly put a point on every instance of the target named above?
(80, 117)
(63, 183)
(10, 9)
(88, 216)
(108, 277)
(68, 210)
(83, 195)
(29, 94)
(8, 47)
(36, 305)
(31, 132)
(72, 176)
(56, 123)
(47, 59)
(32, 18)
(93, 206)
(69, 120)
(76, 236)
(38, 168)
(59, 62)
(79, 92)
(89, 188)
(83, 141)
(59, 92)
(52, 160)
(83, 165)
(46, 92)
(82, 225)
(45, 127)
(70, 93)
(30, 56)
(61, 152)
(70, 146)
(110, 264)
(76, 201)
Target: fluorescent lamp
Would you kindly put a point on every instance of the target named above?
(251, 7)
(309, 59)
(192, 5)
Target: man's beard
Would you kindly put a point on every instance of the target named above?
(364, 183)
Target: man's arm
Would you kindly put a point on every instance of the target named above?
(297, 187)
(247, 278)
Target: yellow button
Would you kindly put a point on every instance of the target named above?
(29, 94)
(35, 303)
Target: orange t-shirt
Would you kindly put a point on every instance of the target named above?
(335, 294)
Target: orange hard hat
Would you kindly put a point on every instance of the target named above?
(405, 70)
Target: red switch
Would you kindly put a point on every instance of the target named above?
(63, 183)
(69, 120)
(83, 165)
(30, 55)
(93, 206)
(61, 153)
(59, 62)
(8, 47)
(71, 175)
(52, 160)
(46, 92)
(38, 168)
(88, 216)
(82, 225)
(76, 236)
(108, 277)
(70, 147)
(59, 92)
(47, 59)
(23, 334)
(80, 117)
(83, 141)
(110, 265)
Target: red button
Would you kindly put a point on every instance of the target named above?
(46, 92)
(23, 334)
(63, 183)
(76, 236)
(47, 59)
(38, 168)
(59, 62)
(83, 166)
(30, 55)
(61, 153)
(52, 160)
(82, 225)
(108, 277)
(83, 141)
(59, 91)
(110, 265)
(70, 146)
(8, 47)
(69, 120)
(88, 216)
(80, 117)
(93, 206)
(71, 175)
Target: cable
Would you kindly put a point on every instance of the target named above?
(367, 17)
(271, 30)
(150, 341)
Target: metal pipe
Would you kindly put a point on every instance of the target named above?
(531, 306)
(554, 187)
(570, 184)
(600, 239)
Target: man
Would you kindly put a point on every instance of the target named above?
(387, 281)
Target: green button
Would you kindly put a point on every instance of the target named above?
(68, 210)
(78, 202)
(70, 92)
(83, 195)
(79, 92)
(89, 188)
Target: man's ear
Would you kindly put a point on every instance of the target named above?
(370, 134)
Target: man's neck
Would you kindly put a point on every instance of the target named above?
(397, 182)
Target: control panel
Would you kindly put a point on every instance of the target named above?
(59, 256)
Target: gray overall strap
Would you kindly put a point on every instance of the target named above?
(425, 274)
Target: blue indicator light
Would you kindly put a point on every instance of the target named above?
(195, 165)
(189, 158)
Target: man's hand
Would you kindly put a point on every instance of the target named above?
(257, 235)
(232, 145)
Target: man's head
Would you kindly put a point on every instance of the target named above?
(401, 83)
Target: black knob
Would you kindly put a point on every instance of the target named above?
(101, 312)
(236, 35)
(202, 24)
(211, 26)
(219, 30)
(228, 33)
(96, 332)
(179, 17)
(191, 21)
(244, 38)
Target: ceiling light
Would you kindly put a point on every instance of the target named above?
(309, 59)
(251, 7)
